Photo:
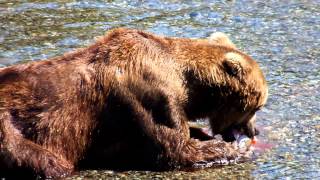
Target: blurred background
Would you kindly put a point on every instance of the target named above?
(283, 36)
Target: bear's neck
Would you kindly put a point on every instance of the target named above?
(201, 60)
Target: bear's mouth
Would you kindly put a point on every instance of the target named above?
(204, 133)
(238, 138)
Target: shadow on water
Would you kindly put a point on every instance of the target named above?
(284, 37)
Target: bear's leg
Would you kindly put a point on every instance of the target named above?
(175, 141)
(18, 151)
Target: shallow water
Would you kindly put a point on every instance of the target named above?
(284, 37)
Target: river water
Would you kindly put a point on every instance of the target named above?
(283, 36)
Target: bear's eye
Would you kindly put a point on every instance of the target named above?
(258, 108)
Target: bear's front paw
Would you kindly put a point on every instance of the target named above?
(56, 168)
(208, 153)
(220, 152)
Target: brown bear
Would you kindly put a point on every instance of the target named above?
(125, 101)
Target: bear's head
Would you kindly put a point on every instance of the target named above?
(228, 87)
(242, 94)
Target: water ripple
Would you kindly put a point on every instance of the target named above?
(284, 37)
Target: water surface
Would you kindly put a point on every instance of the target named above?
(283, 36)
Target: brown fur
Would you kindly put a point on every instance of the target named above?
(126, 99)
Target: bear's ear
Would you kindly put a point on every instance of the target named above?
(222, 39)
(234, 64)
